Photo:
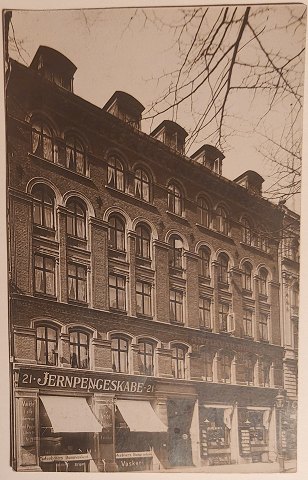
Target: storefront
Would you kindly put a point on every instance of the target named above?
(215, 434)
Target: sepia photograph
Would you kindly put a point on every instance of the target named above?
(153, 167)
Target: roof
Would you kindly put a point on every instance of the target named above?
(170, 126)
(54, 59)
(125, 100)
(252, 176)
(211, 152)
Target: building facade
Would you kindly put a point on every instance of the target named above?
(144, 289)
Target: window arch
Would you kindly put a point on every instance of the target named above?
(204, 262)
(204, 212)
(76, 218)
(116, 177)
(175, 252)
(143, 241)
(47, 344)
(223, 268)
(42, 140)
(263, 281)
(43, 206)
(146, 357)
(79, 348)
(116, 232)
(247, 276)
(75, 155)
(222, 222)
(175, 199)
(142, 185)
(179, 362)
(120, 353)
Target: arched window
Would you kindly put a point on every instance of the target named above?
(175, 252)
(204, 212)
(223, 268)
(247, 234)
(146, 357)
(179, 361)
(76, 218)
(47, 345)
(142, 185)
(222, 224)
(43, 206)
(247, 276)
(224, 367)
(120, 354)
(263, 239)
(116, 233)
(263, 275)
(42, 141)
(204, 262)
(143, 241)
(79, 349)
(75, 155)
(116, 174)
(175, 199)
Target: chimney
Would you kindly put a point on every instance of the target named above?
(252, 181)
(125, 107)
(210, 157)
(171, 134)
(54, 66)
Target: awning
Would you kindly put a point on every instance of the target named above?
(70, 414)
(140, 416)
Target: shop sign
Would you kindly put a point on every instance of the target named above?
(50, 379)
(133, 464)
(134, 455)
(66, 458)
(27, 422)
(245, 441)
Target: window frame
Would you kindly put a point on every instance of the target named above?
(44, 134)
(205, 317)
(204, 212)
(126, 350)
(75, 150)
(204, 255)
(141, 240)
(248, 321)
(117, 289)
(225, 367)
(79, 345)
(264, 326)
(175, 257)
(77, 218)
(223, 315)
(144, 355)
(177, 300)
(46, 341)
(223, 268)
(43, 205)
(247, 276)
(143, 295)
(263, 281)
(116, 174)
(179, 373)
(77, 281)
(44, 271)
(175, 199)
(145, 195)
(222, 221)
(114, 243)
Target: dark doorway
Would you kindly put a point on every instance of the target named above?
(180, 413)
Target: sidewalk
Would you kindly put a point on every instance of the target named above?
(290, 467)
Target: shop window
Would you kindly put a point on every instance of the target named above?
(120, 351)
(42, 141)
(263, 276)
(143, 298)
(205, 312)
(116, 174)
(117, 292)
(44, 275)
(222, 222)
(176, 306)
(224, 367)
(175, 252)
(214, 432)
(79, 349)
(46, 345)
(142, 185)
(143, 242)
(75, 155)
(263, 326)
(247, 322)
(204, 212)
(253, 422)
(179, 361)
(223, 268)
(175, 199)
(247, 276)
(76, 219)
(146, 357)
(77, 282)
(223, 313)
(116, 233)
(204, 262)
(43, 207)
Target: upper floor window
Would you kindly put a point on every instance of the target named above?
(293, 249)
(43, 207)
(44, 275)
(263, 239)
(223, 312)
(223, 268)
(175, 252)
(116, 233)
(247, 274)
(224, 367)
(176, 305)
(76, 219)
(117, 292)
(263, 276)
(222, 223)
(247, 234)
(120, 354)
(208, 365)
(42, 141)
(46, 345)
(143, 298)
(175, 199)
(249, 368)
(179, 361)
(116, 174)
(77, 282)
(295, 296)
(79, 349)
(146, 357)
(263, 326)
(143, 241)
(142, 185)
(247, 322)
(204, 212)
(204, 312)
(295, 334)
(75, 155)
(264, 372)
(204, 262)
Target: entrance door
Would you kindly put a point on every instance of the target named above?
(179, 422)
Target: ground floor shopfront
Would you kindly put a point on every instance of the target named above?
(68, 420)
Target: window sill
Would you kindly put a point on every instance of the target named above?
(206, 329)
(144, 316)
(181, 218)
(117, 310)
(45, 296)
(256, 249)
(248, 337)
(175, 322)
(77, 242)
(223, 285)
(119, 254)
(176, 272)
(143, 262)
(263, 297)
(130, 196)
(78, 303)
(263, 340)
(247, 293)
(213, 232)
(57, 165)
(42, 231)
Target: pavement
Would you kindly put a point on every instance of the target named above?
(270, 467)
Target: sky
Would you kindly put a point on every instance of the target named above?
(115, 49)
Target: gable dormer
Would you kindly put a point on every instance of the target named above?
(125, 107)
(210, 157)
(171, 134)
(251, 180)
